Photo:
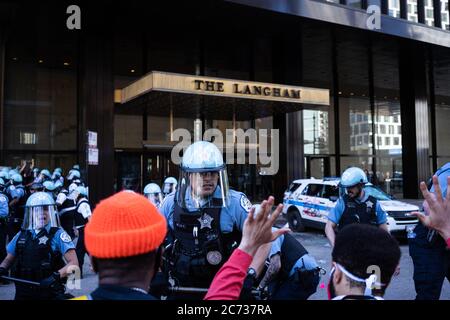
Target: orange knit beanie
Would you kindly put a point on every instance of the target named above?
(123, 225)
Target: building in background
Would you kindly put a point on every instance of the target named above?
(389, 89)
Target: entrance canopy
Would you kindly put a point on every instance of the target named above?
(189, 96)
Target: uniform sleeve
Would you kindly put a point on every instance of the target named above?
(11, 247)
(167, 208)
(381, 214)
(335, 213)
(243, 208)
(276, 246)
(62, 242)
(4, 208)
(61, 198)
(85, 210)
(228, 282)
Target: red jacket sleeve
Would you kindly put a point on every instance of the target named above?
(227, 283)
(448, 243)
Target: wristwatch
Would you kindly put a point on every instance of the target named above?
(251, 272)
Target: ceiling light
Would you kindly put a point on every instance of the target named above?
(66, 63)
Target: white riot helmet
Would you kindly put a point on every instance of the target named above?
(153, 193)
(170, 185)
(203, 178)
(40, 211)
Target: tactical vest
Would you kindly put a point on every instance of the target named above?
(35, 258)
(79, 220)
(199, 248)
(291, 251)
(66, 214)
(359, 212)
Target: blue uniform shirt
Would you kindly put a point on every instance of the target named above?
(61, 242)
(15, 192)
(335, 213)
(233, 215)
(306, 261)
(4, 208)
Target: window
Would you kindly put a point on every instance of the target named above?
(379, 141)
(331, 192)
(387, 141)
(293, 187)
(360, 140)
(27, 138)
(382, 129)
(396, 141)
(391, 129)
(366, 139)
(313, 190)
(399, 130)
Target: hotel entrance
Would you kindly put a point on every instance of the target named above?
(160, 110)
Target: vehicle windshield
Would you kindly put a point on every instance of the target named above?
(377, 193)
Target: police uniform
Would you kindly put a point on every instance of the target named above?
(17, 211)
(66, 211)
(37, 257)
(81, 215)
(201, 240)
(4, 213)
(299, 274)
(364, 210)
(428, 251)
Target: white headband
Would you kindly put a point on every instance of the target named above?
(370, 282)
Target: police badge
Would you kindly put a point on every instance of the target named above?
(214, 257)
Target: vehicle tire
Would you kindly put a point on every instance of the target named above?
(295, 221)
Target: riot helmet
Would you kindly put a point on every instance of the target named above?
(40, 211)
(203, 179)
(153, 193)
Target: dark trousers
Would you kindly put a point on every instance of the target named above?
(300, 286)
(431, 266)
(3, 235)
(80, 249)
(13, 228)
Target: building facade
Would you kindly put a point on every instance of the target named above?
(389, 87)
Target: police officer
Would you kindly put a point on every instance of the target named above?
(205, 218)
(67, 207)
(36, 187)
(355, 206)
(4, 213)
(44, 175)
(169, 186)
(37, 250)
(428, 251)
(57, 176)
(81, 217)
(74, 177)
(17, 199)
(50, 188)
(292, 273)
(153, 193)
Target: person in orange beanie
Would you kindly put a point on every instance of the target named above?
(124, 239)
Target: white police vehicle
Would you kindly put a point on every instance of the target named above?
(307, 203)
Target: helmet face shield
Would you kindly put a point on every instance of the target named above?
(168, 188)
(203, 189)
(38, 217)
(155, 198)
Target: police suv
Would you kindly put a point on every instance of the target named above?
(307, 203)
